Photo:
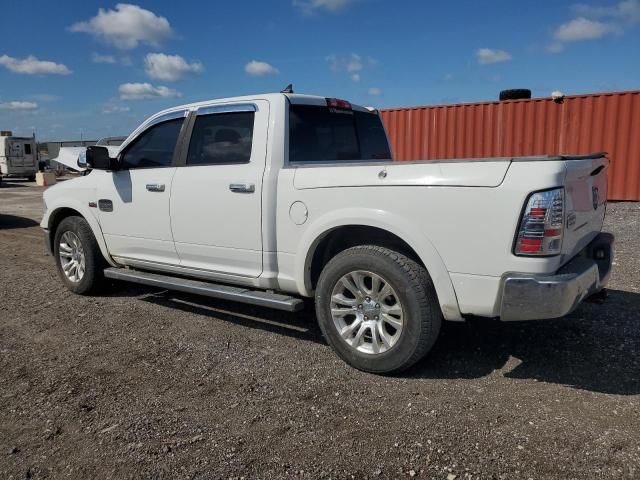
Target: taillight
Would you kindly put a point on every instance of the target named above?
(542, 224)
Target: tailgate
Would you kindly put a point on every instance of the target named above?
(586, 200)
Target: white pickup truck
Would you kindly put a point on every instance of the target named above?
(269, 198)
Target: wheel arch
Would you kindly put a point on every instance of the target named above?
(320, 244)
(58, 214)
(343, 237)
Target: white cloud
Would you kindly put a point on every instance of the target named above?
(110, 59)
(169, 67)
(352, 64)
(260, 69)
(627, 11)
(331, 6)
(97, 58)
(18, 105)
(374, 92)
(582, 28)
(44, 97)
(115, 109)
(595, 22)
(141, 91)
(32, 66)
(126, 27)
(487, 56)
(555, 47)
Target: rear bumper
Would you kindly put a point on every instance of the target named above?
(531, 297)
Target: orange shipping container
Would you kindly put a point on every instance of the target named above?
(579, 124)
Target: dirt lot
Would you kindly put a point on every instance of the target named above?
(144, 383)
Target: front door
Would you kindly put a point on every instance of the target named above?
(216, 197)
(133, 201)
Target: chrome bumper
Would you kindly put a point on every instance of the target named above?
(532, 297)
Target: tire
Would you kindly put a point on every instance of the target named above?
(413, 295)
(31, 178)
(515, 94)
(77, 229)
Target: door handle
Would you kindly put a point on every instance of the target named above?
(242, 187)
(155, 187)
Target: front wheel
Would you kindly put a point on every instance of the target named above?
(377, 308)
(77, 254)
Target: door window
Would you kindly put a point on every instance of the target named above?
(221, 138)
(27, 149)
(155, 147)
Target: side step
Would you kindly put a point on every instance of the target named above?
(197, 287)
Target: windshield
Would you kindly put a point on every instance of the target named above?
(321, 134)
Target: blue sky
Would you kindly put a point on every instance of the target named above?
(95, 68)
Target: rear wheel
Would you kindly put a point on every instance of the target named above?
(78, 258)
(377, 308)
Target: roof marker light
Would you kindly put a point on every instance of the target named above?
(337, 103)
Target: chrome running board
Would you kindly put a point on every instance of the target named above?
(208, 289)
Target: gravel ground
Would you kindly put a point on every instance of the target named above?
(141, 383)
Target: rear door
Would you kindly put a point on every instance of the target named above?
(29, 158)
(216, 197)
(133, 202)
(16, 154)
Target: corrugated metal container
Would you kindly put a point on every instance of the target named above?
(607, 122)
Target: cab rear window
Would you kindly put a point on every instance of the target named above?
(323, 134)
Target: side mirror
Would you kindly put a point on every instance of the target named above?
(98, 158)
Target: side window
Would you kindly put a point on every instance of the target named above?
(221, 138)
(27, 149)
(154, 147)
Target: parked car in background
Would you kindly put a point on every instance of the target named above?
(266, 199)
(73, 158)
(18, 156)
(111, 141)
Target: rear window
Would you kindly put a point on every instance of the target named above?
(27, 149)
(321, 134)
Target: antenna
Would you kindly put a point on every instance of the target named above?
(287, 89)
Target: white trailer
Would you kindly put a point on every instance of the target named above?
(18, 156)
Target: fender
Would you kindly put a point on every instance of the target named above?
(398, 226)
(87, 214)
